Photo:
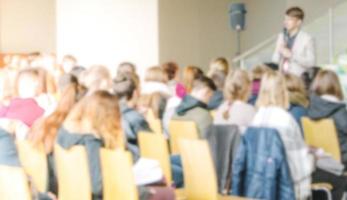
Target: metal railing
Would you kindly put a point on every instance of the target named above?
(329, 32)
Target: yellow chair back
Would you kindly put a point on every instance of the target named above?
(154, 123)
(34, 162)
(118, 178)
(72, 173)
(322, 134)
(199, 174)
(13, 184)
(181, 130)
(155, 146)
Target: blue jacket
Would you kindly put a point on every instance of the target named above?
(260, 168)
(8, 150)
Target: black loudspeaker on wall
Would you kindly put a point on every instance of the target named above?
(237, 14)
(237, 19)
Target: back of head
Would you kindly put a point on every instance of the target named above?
(258, 71)
(237, 86)
(170, 68)
(99, 114)
(296, 90)
(124, 86)
(218, 77)
(327, 83)
(97, 77)
(155, 74)
(65, 80)
(273, 91)
(191, 73)
(219, 64)
(126, 68)
(29, 83)
(204, 83)
(295, 12)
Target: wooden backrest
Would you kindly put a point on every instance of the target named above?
(13, 184)
(199, 174)
(155, 146)
(181, 130)
(34, 162)
(118, 179)
(322, 134)
(154, 123)
(72, 173)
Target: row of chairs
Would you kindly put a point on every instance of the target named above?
(118, 181)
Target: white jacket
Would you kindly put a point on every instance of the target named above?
(303, 53)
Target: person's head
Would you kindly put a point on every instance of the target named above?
(203, 88)
(44, 131)
(68, 63)
(327, 83)
(96, 78)
(296, 90)
(218, 64)
(30, 83)
(155, 74)
(126, 67)
(170, 69)
(237, 86)
(293, 18)
(124, 86)
(98, 114)
(309, 75)
(273, 91)
(218, 77)
(258, 71)
(191, 73)
(154, 102)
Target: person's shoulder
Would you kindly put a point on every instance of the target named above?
(305, 35)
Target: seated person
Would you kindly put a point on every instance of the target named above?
(124, 87)
(95, 123)
(235, 109)
(327, 102)
(194, 106)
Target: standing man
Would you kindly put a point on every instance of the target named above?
(294, 51)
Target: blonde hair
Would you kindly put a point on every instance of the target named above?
(97, 77)
(191, 73)
(327, 83)
(237, 86)
(273, 91)
(218, 64)
(156, 74)
(99, 114)
(296, 90)
(258, 71)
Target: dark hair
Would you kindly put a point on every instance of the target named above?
(271, 65)
(124, 85)
(309, 75)
(203, 82)
(170, 68)
(218, 78)
(296, 12)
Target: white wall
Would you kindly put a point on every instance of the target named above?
(27, 25)
(108, 31)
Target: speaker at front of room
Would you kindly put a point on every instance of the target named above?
(237, 14)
